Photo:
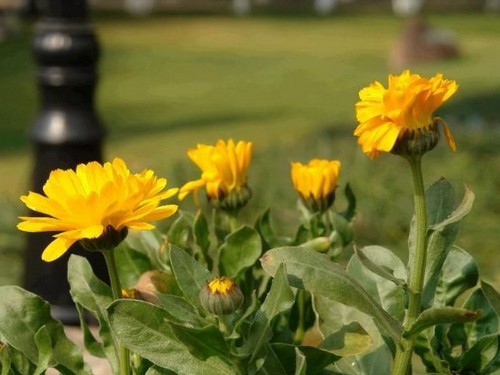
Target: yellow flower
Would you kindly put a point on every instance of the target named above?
(93, 201)
(224, 171)
(405, 109)
(316, 182)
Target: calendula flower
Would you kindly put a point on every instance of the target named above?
(400, 118)
(224, 173)
(96, 204)
(221, 296)
(316, 182)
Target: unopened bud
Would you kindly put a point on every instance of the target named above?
(221, 296)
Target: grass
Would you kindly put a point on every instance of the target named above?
(286, 83)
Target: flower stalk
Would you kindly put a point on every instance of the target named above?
(123, 354)
(402, 361)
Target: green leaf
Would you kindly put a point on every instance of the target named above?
(492, 296)
(294, 358)
(458, 274)
(95, 296)
(191, 276)
(458, 213)
(481, 354)
(380, 270)
(351, 203)
(131, 265)
(349, 340)
(279, 299)
(22, 314)
(180, 232)
(314, 272)
(264, 227)
(342, 327)
(240, 251)
(388, 294)
(441, 315)
(443, 223)
(272, 364)
(147, 242)
(376, 362)
(487, 324)
(300, 362)
(44, 345)
(204, 342)
(155, 370)
(144, 329)
(180, 310)
(201, 232)
(425, 344)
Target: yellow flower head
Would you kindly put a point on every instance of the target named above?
(224, 169)
(316, 182)
(404, 109)
(95, 199)
(221, 285)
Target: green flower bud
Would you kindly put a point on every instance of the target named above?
(319, 244)
(221, 296)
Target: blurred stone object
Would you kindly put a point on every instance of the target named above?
(140, 8)
(419, 42)
(325, 7)
(406, 8)
(66, 131)
(242, 7)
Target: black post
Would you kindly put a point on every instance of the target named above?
(65, 133)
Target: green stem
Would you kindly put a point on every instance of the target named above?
(402, 361)
(123, 354)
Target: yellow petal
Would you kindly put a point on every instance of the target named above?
(57, 248)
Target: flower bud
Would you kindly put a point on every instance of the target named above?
(221, 296)
(319, 244)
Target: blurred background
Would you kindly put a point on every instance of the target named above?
(284, 74)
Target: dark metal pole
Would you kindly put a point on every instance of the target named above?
(66, 132)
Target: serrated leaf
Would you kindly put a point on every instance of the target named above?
(191, 276)
(240, 251)
(143, 328)
(441, 315)
(314, 272)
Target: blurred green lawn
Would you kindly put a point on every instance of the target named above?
(288, 84)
